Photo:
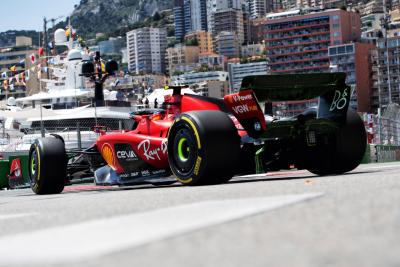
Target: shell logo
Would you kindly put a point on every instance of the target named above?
(108, 155)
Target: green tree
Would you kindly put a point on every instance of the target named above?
(156, 16)
(192, 42)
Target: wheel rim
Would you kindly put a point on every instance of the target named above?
(185, 154)
(183, 149)
(33, 163)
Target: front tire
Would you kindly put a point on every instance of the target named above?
(47, 166)
(203, 147)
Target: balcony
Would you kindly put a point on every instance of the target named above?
(298, 35)
(301, 69)
(299, 60)
(297, 52)
(302, 26)
(294, 57)
(318, 41)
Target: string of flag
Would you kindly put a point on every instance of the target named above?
(10, 77)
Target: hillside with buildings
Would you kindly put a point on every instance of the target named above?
(7, 38)
(105, 16)
(212, 44)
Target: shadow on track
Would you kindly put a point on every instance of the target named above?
(91, 188)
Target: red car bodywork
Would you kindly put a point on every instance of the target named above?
(148, 140)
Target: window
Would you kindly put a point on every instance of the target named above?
(349, 49)
(335, 34)
(332, 51)
(341, 49)
(335, 26)
(336, 17)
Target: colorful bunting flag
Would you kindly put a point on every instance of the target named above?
(4, 75)
(33, 58)
(67, 32)
(13, 68)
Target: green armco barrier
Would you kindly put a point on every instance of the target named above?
(385, 153)
(367, 155)
(4, 172)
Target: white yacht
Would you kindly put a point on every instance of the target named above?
(64, 107)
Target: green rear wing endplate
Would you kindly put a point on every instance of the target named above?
(330, 88)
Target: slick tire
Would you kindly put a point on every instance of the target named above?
(47, 166)
(346, 155)
(203, 147)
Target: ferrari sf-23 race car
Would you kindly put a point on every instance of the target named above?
(203, 140)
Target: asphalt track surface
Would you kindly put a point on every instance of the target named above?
(280, 219)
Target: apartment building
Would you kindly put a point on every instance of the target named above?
(146, 50)
(212, 60)
(373, 7)
(111, 46)
(257, 8)
(253, 50)
(198, 15)
(229, 20)
(298, 43)
(386, 79)
(17, 56)
(179, 19)
(257, 30)
(371, 25)
(238, 71)
(198, 77)
(189, 15)
(13, 56)
(182, 58)
(213, 6)
(217, 89)
(204, 40)
(228, 44)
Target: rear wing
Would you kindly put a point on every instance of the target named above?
(330, 88)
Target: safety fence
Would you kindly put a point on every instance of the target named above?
(76, 133)
(383, 130)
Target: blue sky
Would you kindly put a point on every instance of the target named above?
(28, 14)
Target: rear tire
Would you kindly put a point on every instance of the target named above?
(203, 147)
(349, 149)
(48, 166)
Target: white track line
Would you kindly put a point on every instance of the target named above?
(301, 172)
(367, 167)
(15, 216)
(93, 239)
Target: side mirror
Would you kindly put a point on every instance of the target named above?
(111, 67)
(87, 69)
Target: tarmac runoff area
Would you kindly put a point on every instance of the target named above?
(291, 218)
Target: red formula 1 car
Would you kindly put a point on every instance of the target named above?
(203, 140)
